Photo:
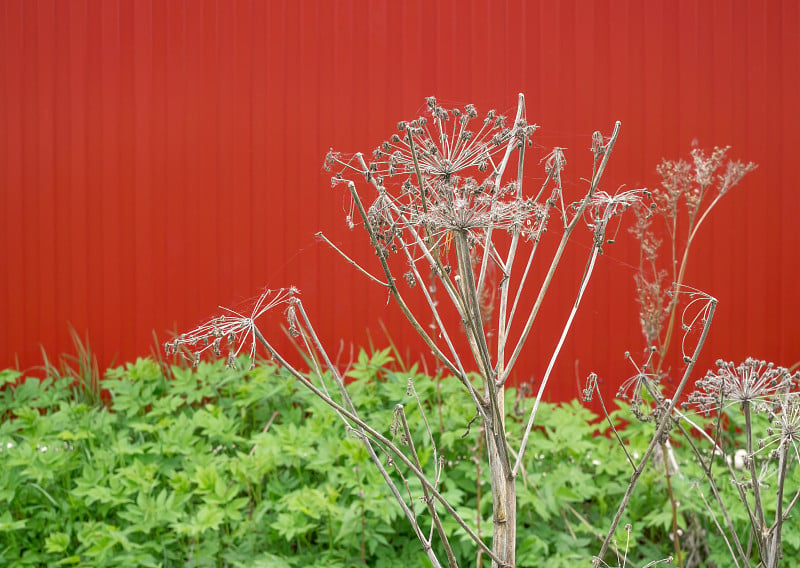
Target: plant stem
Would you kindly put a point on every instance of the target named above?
(668, 476)
(451, 559)
(659, 432)
(584, 283)
(385, 442)
(557, 256)
(358, 267)
(759, 525)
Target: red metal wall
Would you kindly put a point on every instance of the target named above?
(160, 158)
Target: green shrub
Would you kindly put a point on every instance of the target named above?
(215, 467)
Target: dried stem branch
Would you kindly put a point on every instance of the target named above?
(370, 433)
(559, 252)
(662, 426)
(358, 267)
(427, 496)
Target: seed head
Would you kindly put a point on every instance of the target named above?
(750, 381)
(233, 329)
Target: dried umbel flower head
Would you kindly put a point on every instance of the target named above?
(591, 385)
(473, 208)
(653, 305)
(644, 379)
(785, 429)
(229, 332)
(706, 164)
(692, 181)
(446, 142)
(425, 179)
(752, 381)
(734, 171)
(440, 145)
(604, 206)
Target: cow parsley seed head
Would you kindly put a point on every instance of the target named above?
(787, 425)
(750, 381)
(706, 165)
(442, 144)
(691, 181)
(231, 331)
(603, 206)
(634, 388)
(466, 206)
(782, 436)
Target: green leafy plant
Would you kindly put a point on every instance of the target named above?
(227, 467)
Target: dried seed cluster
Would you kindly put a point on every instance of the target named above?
(229, 332)
(752, 381)
(425, 178)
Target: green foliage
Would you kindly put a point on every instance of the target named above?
(216, 467)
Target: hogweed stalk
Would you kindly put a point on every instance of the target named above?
(688, 193)
(436, 207)
(443, 214)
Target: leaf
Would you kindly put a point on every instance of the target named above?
(8, 376)
(57, 542)
(8, 524)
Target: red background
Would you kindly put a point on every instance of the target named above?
(160, 158)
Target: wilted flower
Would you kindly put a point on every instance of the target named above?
(591, 385)
(473, 208)
(786, 425)
(692, 180)
(603, 206)
(441, 145)
(631, 389)
(705, 165)
(676, 181)
(448, 146)
(734, 172)
(437, 157)
(229, 332)
(751, 381)
(653, 307)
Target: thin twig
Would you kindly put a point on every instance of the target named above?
(363, 271)
(427, 499)
(584, 283)
(558, 254)
(719, 528)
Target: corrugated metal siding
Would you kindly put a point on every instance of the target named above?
(160, 158)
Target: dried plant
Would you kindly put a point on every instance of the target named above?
(439, 202)
(230, 331)
(622, 555)
(437, 207)
(688, 192)
(661, 409)
(770, 450)
(756, 458)
(678, 207)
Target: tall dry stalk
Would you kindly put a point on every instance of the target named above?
(688, 193)
(445, 200)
